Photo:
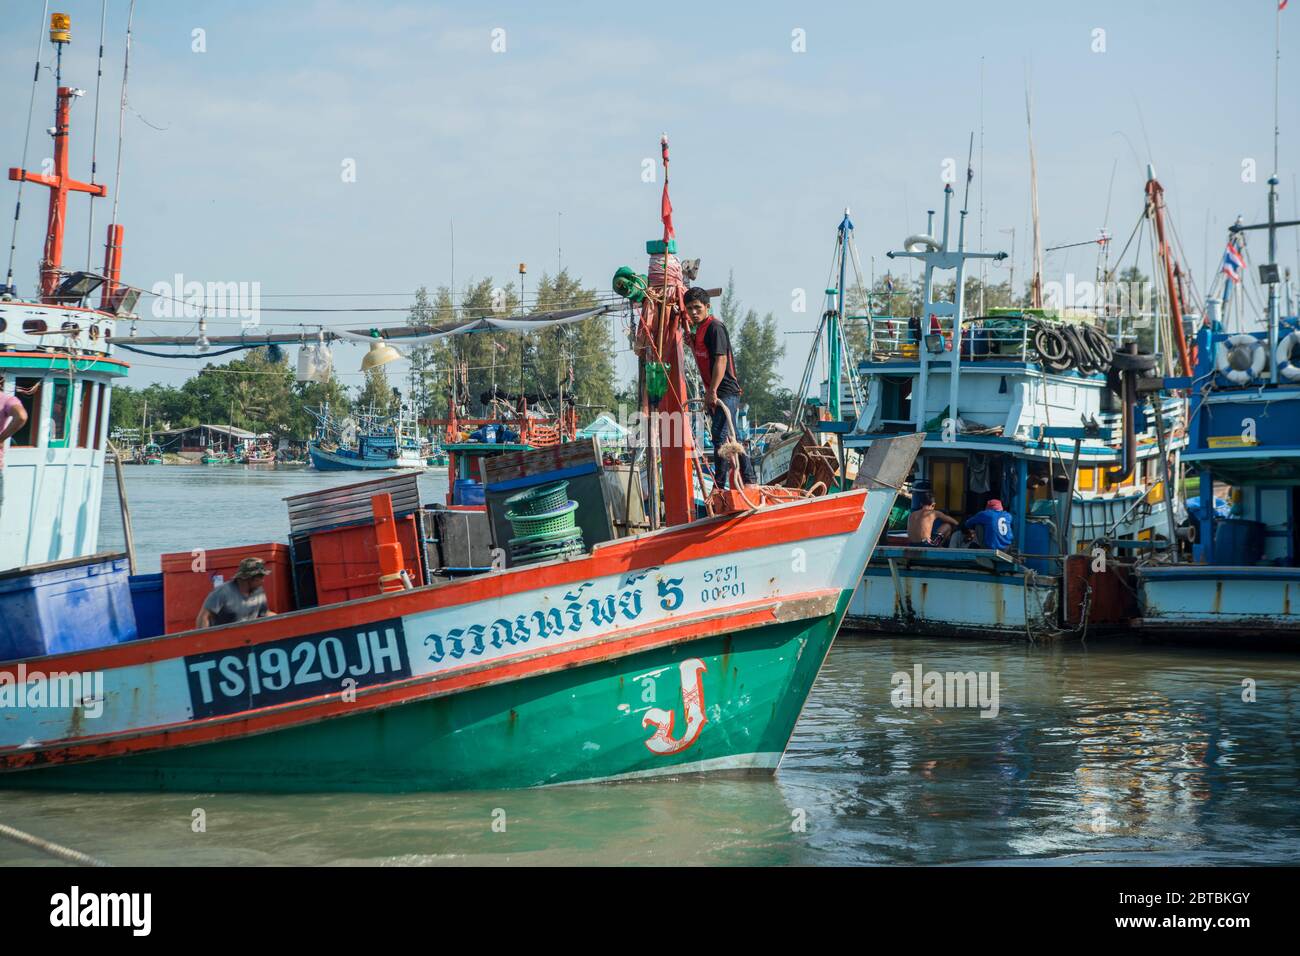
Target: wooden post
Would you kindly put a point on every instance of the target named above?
(125, 507)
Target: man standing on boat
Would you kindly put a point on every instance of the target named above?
(711, 344)
(241, 599)
(12, 418)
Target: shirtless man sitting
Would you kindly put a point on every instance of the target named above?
(921, 531)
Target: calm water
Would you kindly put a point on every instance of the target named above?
(1110, 753)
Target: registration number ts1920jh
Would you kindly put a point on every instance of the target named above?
(294, 668)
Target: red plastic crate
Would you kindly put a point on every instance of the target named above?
(185, 589)
(346, 564)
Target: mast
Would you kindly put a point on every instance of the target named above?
(833, 351)
(59, 182)
(936, 254)
(1156, 207)
(1036, 287)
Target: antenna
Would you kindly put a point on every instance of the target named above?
(94, 139)
(1277, 69)
(983, 264)
(1036, 290)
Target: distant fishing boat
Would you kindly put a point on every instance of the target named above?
(258, 453)
(366, 442)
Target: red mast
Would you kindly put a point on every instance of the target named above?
(1156, 202)
(663, 318)
(59, 183)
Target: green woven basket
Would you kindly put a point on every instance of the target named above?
(540, 500)
(557, 520)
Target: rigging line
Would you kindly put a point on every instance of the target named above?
(94, 139)
(27, 135)
(121, 113)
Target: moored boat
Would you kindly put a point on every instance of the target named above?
(690, 648)
(1242, 577)
(1028, 408)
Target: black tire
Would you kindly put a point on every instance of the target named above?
(1126, 362)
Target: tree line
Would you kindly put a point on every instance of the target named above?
(258, 391)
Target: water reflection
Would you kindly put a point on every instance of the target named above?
(1098, 754)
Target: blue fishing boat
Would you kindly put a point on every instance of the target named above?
(1034, 409)
(368, 442)
(1243, 579)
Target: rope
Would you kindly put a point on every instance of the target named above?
(183, 355)
(64, 853)
(27, 135)
(731, 451)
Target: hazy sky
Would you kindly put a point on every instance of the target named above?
(234, 157)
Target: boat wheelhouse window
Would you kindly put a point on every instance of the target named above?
(34, 325)
(60, 413)
(28, 391)
(99, 417)
(83, 417)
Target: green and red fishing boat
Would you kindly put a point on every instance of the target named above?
(687, 648)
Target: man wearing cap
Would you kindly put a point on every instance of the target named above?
(241, 599)
(994, 526)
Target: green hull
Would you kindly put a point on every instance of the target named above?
(579, 724)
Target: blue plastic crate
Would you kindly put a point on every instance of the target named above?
(467, 491)
(63, 606)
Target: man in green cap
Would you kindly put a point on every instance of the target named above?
(241, 599)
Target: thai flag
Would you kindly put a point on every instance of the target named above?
(1233, 263)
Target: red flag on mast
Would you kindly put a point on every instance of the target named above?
(666, 206)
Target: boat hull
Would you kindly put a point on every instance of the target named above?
(954, 597)
(323, 460)
(572, 725)
(1196, 601)
(682, 650)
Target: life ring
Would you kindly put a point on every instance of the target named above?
(1282, 357)
(920, 240)
(1232, 354)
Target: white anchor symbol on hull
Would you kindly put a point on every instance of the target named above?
(662, 741)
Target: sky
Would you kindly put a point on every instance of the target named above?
(327, 151)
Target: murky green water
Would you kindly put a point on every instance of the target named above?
(1109, 753)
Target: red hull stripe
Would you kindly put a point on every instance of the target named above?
(786, 524)
(662, 634)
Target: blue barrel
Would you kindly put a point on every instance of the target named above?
(1039, 534)
(1238, 541)
(147, 601)
(64, 606)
